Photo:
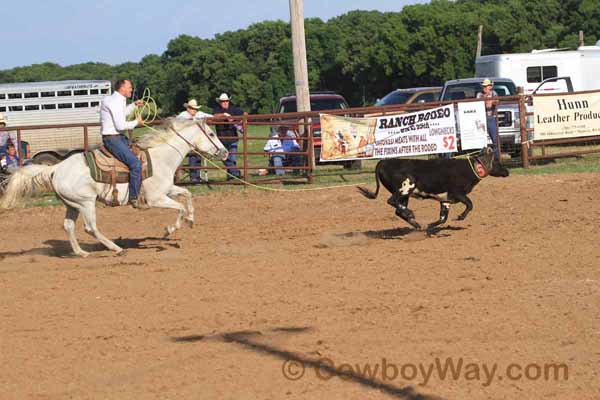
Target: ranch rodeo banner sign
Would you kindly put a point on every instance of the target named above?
(566, 115)
(424, 132)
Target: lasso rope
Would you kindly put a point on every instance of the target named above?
(148, 112)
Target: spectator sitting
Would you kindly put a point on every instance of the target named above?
(275, 147)
(192, 112)
(11, 159)
(283, 140)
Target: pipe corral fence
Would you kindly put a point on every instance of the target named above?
(256, 130)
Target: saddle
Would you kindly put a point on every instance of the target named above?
(105, 168)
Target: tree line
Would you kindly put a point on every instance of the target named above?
(361, 54)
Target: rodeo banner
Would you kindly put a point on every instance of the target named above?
(566, 115)
(424, 132)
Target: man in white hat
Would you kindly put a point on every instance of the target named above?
(192, 112)
(228, 133)
(487, 94)
(5, 136)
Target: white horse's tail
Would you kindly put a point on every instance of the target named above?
(24, 182)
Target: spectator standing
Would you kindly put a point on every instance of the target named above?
(192, 112)
(228, 133)
(6, 137)
(488, 94)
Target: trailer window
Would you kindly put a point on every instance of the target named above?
(81, 105)
(2, 96)
(15, 95)
(32, 108)
(65, 105)
(49, 107)
(64, 92)
(534, 74)
(48, 94)
(93, 91)
(31, 95)
(15, 108)
(81, 92)
(549, 71)
(104, 91)
(94, 104)
(538, 74)
(2, 109)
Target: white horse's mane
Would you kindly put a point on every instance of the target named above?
(162, 133)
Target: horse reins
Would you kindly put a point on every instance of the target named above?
(192, 145)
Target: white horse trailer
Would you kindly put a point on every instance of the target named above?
(54, 103)
(530, 69)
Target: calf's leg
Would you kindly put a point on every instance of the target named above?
(462, 198)
(405, 213)
(444, 208)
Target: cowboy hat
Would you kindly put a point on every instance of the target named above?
(487, 82)
(223, 97)
(192, 104)
(2, 119)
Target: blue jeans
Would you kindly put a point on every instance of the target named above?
(194, 161)
(118, 145)
(231, 161)
(278, 163)
(493, 132)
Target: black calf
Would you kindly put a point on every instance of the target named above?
(447, 181)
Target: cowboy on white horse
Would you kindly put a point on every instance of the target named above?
(114, 126)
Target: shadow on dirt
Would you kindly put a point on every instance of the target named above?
(254, 341)
(62, 248)
(396, 233)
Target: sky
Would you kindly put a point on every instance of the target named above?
(115, 31)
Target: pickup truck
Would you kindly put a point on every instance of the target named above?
(508, 114)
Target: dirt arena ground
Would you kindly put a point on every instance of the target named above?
(268, 282)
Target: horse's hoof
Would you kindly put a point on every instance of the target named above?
(121, 253)
(190, 223)
(168, 232)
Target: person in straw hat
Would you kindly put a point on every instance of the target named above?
(228, 133)
(192, 112)
(6, 136)
(488, 93)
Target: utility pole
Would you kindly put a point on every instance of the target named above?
(299, 49)
(479, 40)
(581, 40)
(300, 65)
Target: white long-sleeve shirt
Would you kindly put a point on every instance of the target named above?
(113, 114)
(188, 116)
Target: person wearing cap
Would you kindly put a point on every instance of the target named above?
(114, 126)
(192, 112)
(228, 133)
(6, 136)
(488, 93)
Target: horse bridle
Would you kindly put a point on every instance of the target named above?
(195, 147)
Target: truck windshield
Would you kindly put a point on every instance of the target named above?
(470, 90)
(394, 98)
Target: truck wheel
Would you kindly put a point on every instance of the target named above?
(46, 159)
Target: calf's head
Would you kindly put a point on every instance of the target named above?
(491, 165)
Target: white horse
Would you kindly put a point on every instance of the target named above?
(73, 183)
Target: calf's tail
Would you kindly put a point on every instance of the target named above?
(366, 192)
